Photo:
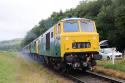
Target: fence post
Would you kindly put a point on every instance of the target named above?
(113, 56)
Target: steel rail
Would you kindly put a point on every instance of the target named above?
(75, 79)
(91, 74)
(109, 78)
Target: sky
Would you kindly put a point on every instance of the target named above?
(17, 17)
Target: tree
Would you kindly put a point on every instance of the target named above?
(105, 22)
(120, 27)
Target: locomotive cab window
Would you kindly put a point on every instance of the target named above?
(71, 26)
(87, 26)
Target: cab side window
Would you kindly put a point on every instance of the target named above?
(58, 29)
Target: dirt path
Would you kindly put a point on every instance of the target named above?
(28, 71)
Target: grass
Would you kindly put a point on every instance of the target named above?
(119, 64)
(115, 70)
(17, 68)
(7, 67)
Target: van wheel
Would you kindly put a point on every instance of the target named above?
(108, 58)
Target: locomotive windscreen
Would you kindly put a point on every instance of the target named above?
(87, 26)
(71, 26)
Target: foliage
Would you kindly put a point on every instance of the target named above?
(120, 27)
(108, 14)
(11, 45)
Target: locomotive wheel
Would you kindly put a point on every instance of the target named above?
(63, 68)
(56, 67)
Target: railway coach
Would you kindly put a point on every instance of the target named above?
(71, 43)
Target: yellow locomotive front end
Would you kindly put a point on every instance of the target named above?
(79, 42)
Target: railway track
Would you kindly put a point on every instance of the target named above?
(110, 79)
(92, 77)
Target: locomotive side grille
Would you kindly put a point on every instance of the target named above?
(77, 45)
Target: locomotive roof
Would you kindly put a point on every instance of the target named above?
(65, 19)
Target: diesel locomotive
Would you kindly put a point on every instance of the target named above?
(71, 43)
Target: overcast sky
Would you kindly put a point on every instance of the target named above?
(17, 17)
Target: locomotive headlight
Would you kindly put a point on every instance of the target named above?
(85, 64)
(66, 38)
(94, 37)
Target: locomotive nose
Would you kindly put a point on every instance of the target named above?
(81, 43)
